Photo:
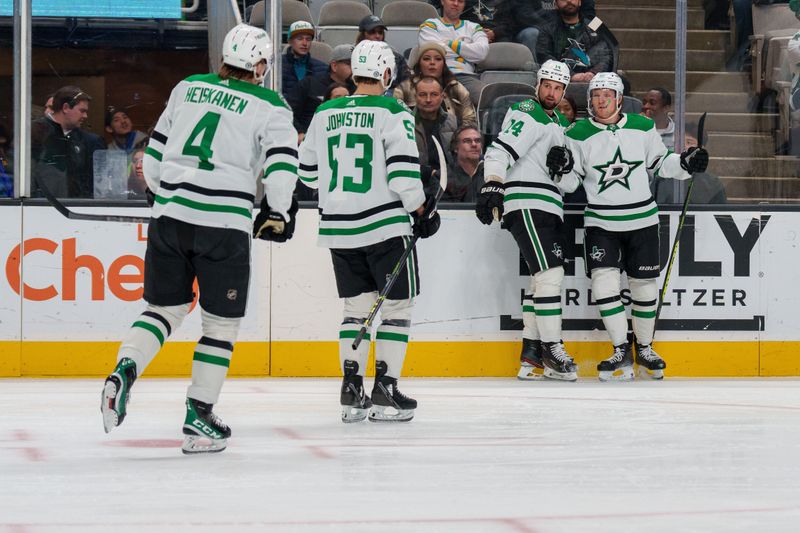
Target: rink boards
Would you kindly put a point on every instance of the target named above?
(71, 289)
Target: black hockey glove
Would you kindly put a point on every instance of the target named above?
(426, 224)
(694, 160)
(489, 200)
(149, 196)
(271, 226)
(559, 160)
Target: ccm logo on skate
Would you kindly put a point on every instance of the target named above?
(207, 430)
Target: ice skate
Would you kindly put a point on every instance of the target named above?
(618, 367)
(388, 403)
(649, 362)
(355, 402)
(203, 431)
(530, 360)
(558, 364)
(117, 393)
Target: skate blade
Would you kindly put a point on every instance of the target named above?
(530, 373)
(560, 376)
(107, 400)
(621, 374)
(382, 413)
(650, 374)
(194, 444)
(351, 414)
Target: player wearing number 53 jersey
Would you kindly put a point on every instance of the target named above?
(360, 152)
(217, 136)
(612, 153)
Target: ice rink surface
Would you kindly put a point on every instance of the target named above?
(481, 455)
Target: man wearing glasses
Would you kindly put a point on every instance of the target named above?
(465, 176)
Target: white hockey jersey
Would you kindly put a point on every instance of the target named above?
(211, 143)
(466, 42)
(519, 158)
(361, 153)
(612, 162)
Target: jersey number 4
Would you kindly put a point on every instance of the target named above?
(352, 141)
(205, 129)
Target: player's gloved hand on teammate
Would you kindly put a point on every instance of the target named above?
(271, 226)
(694, 160)
(428, 222)
(490, 200)
(559, 160)
(149, 196)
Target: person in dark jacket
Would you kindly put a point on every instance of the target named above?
(297, 62)
(372, 28)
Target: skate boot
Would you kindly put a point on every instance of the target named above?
(618, 367)
(203, 431)
(355, 403)
(650, 363)
(530, 360)
(117, 393)
(557, 362)
(388, 403)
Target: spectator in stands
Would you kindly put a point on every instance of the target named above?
(707, 188)
(657, 105)
(465, 42)
(310, 91)
(478, 11)
(48, 105)
(465, 173)
(431, 62)
(61, 151)
(337, 90)
(372, 28)
(123, 136)
(576, 41)
(568, 107)
(6, 165)
(297, 61)
(136, 183)
(431, 119)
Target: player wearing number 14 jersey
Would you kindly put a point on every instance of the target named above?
(360, 152)
(218, 135)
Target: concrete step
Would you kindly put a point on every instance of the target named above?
(785, 167)
(761, 188)
(711, 102)
(695, 39)
(656, 18)
(707, 82)
(736, 122)
(741, 145)
(644, 59)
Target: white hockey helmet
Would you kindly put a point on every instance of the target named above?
(605, 80)
(245, 46)
(555, 71)
(370, 59)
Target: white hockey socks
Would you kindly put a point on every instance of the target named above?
(644, 293)
(212, 357)
(391, 338)
(605, 291)
(149, 333)
(529, 330)
(546, 288)
(356, 310)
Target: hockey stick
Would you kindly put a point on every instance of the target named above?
(700, 127)
(72, 215)
(401, 263)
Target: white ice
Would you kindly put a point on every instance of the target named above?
(481, 455)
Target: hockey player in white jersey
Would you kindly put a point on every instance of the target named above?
(610, 154)
(519, 188)
(360, 152)
(218, 134)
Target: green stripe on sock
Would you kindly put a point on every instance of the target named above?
(152, 329)
(547, 312)
(389, 336)
(528, 309)
(212, 359)
(352, 334)
(643, 314)
(614, 311)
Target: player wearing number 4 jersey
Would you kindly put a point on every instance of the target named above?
(217, 136)
(518, 188)
(612, 154)
(360, 152)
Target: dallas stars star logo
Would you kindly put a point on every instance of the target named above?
(617, 170)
